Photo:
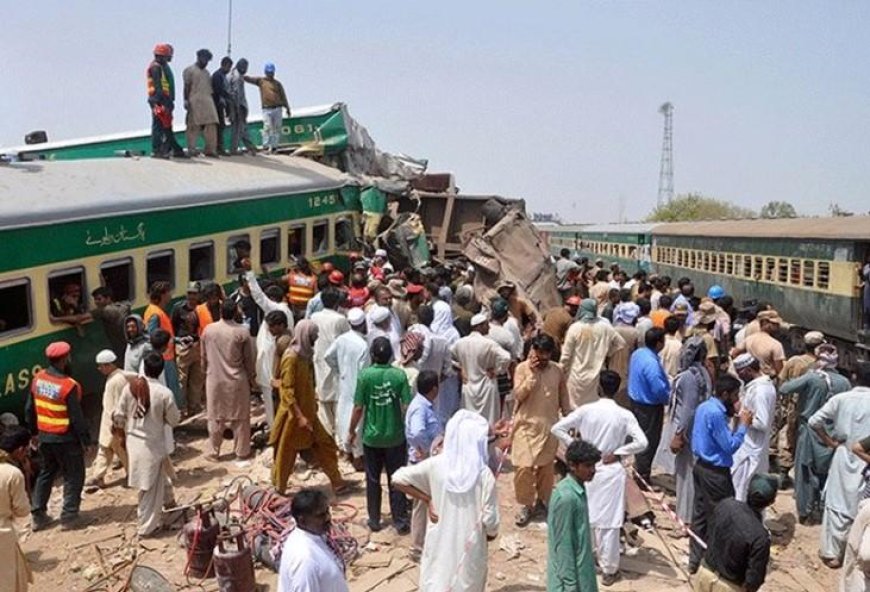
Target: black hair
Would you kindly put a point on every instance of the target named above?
(331, 298)
(683, 281)
(228, 61)
(425, 314)
(672, 325)
(545, 343)
(204, 53)
(426, 381)
(602, 275)
(306, 502)
(228, 309)
(211, 289)
(102, 292)
(665, 301)
(275, 293)
(581, 452)
(644, 305)
(625, 295)
(159, 339)
(565, 253)
(275, 318)
(153, 364)
(158, 289)
(862, 373)
(322, 282)
(653, 337)
(382, 350)
(609, 382)
(726, 384)
(13, 438)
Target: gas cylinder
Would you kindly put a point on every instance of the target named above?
(233, 563)
(200, 536)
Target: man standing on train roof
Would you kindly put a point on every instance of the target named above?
(161, 99)
(238, 110)
(54, 413)
(222, 99)
(273, 101)
(202, 116)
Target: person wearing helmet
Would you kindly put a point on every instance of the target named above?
(202, 116)
(272, 100)
(161, 99)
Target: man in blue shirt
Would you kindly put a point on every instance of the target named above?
(422, 428)
(649, 391)
(714, 445)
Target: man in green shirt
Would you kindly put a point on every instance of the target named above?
(570, 560)
(382, 393)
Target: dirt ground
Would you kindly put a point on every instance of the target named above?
(78, 561)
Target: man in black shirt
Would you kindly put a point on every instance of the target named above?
(738, 546)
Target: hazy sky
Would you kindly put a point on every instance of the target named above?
(555, 102)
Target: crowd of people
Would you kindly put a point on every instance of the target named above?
(212, 101)
(422, 377)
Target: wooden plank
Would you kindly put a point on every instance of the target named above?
(375, 577)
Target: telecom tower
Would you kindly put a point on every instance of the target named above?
(666, 171)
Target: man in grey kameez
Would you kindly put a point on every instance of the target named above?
(842, 421)
(812, 457)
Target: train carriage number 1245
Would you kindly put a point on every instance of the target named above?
(317, 201)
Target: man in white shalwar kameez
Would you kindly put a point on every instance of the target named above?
(589, 343)
(144, 410)
(309, 561)
(480, 359)
(265, 362)
(614, 431)
(330, 324)
(380, 324)
(759, 396)
(840, 423)
(347, 356)
(437, 357)
(461, 494)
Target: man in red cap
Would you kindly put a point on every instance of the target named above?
(54, 413)
(161, 99)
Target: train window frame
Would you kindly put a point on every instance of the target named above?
(808, 273)
(78, 270)
(795, 271)
(28, 294)
(348, 223)
(201, 245)
(315, 225)
(782, 270)
(823, 275)
(232, 253)
(271, 234)
(302, 230)
(770, 269)
(757, 267)
(160, 253)
(720, 261)
(130, 296)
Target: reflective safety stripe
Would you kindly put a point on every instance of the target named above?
(57, 421)
(166, 325)
(43, 404)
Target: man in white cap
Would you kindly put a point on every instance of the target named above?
(347, 356)
(110, 444)
(380, 267)
(382, 326)
(480, 360)
(759, 397)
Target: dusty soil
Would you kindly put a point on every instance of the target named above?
(77, 560)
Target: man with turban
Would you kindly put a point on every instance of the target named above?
(589, 343)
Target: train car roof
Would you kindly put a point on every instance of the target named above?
(44, 192)
(627, 228)
(843, 228)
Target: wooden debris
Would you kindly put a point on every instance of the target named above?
(376, 559)
(369, 580)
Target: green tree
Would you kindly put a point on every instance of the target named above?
(778, 209)
(694, 206)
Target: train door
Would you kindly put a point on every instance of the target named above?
(863, 252)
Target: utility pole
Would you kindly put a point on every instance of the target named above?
(230, 28)
(666, 170)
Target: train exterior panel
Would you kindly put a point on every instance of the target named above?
(91, 222)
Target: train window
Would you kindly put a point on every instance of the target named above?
(320, 237)
(769, 269)
(824, 275)
(160, 267)
(729, 264)
(67, 290)
(296, 241)
(238, 247)
(15, 310)
(714, 263)
(201, 261)
(344, 239)
(706, 266)
(118, 276)
(747, 266)
(795, 272)
(782, 268)
(270, 246)
(759, 264)
(809, 277)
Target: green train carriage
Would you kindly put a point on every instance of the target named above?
(129, 222)
(625, 244)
